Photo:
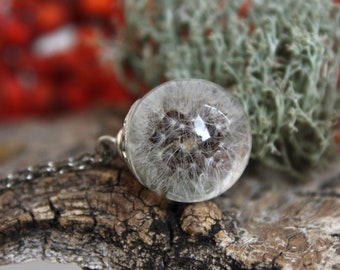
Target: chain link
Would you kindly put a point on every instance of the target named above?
(101, 157)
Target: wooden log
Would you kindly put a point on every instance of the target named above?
(103, 218)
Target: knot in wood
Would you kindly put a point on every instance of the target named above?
(198, 219)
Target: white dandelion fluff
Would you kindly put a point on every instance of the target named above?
(188, 140)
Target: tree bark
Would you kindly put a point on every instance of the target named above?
(104, 219)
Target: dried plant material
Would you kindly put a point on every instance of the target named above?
(188, 140)
(280, 58)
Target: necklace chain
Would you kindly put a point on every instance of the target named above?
(101, 157)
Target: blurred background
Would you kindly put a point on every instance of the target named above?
(50, 61)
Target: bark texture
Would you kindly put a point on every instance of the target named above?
(104, 219)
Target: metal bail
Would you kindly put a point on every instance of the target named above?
(112, 146)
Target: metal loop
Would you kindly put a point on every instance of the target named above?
(107, 147)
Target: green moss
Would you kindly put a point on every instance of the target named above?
(280, 59)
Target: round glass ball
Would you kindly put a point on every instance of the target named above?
(188, 140)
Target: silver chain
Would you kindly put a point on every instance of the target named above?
(104, 152)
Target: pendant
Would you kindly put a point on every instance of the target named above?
(188, 140)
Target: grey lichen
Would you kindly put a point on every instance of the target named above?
(280, 58)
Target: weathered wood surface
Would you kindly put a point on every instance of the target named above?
(104, 219)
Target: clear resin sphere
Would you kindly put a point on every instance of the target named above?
(188, 140)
